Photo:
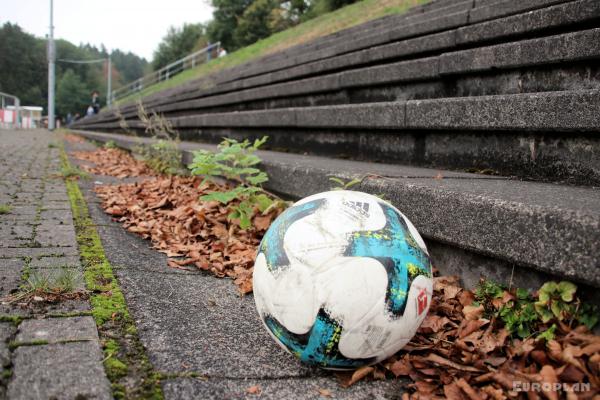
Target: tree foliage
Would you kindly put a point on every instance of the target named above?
(239, 23)
(24, 70)
(178, 43)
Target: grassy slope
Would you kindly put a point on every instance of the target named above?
(345, 17)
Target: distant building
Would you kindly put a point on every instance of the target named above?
(31, 117)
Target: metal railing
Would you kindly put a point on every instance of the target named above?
(168, 71)
(10, 118)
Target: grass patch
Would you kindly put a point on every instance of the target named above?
(71, 172)
(126, 364)
(5, 209)
(325, 24)
(62, 284)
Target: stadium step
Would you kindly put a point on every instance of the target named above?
(475, 225)
(545, 136)
(512, 89)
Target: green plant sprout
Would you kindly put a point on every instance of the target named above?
(344, 185)
(237, 161)
(524, 314)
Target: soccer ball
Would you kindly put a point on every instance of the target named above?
(342, 279)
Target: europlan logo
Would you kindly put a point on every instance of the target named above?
(519, 386)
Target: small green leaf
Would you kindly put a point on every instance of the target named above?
(588, 315)
(543, 312)
(547, 290)
(263, 202)
(221, 197)
(523, 331)
(353, 182)
(557, 310)
(548, 334)
(567, 290)
(258, 179)
(336, 180)
(522, 294)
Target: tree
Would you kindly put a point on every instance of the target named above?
(129, 65)
(178, 43)
(24, 73)
(72, 95)
(255, 22)
(22, 65)
(225, 21)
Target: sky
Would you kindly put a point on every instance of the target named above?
(129, 25)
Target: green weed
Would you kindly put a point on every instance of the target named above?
(237, 162)
(5, 209)
(341, 185)
(111, 144)
(523, 314)
(71, 172)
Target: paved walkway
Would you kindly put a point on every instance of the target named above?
(46, 350)
(202, 338)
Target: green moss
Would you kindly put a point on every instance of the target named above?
(115, 367)
(13, 319)
(6, 374)
(70, 314)
(5, 209)
(39, 342)
(109, 308)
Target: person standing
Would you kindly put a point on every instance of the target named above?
(95, 101)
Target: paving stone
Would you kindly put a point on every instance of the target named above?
(61, 371)
(10, 279)
(58, 235)
(12, 252)
(7, 331)
(57, 329)
(54, 262)
(21, 231)
(56, 205)
(56, 196)
(14, 242)
(11, 263)
(64, 216)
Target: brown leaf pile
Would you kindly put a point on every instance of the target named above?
(69, 137)
(458, 354)
(167, 211)
(113, 162)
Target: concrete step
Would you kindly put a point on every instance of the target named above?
(555, 49)
(474, 225)
(450, 14)
(462, 98)
(570, 13)
(549, 136)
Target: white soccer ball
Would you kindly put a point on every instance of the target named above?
(342, 279)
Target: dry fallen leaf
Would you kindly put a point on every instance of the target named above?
(253, 389)
(357, 375)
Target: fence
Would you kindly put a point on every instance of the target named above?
(167, 72)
